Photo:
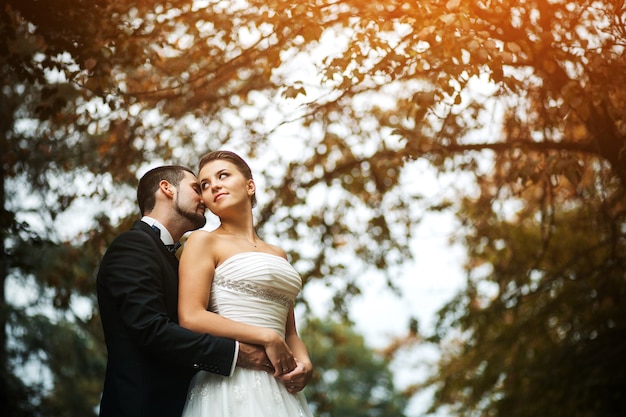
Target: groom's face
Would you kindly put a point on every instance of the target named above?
(188, 203)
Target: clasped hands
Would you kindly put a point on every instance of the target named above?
(289, 370)
(296, 379)
(276, 358)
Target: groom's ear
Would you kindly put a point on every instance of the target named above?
(166, 188)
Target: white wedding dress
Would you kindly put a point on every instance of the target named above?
(255, 288)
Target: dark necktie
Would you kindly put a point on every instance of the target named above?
(173, 247)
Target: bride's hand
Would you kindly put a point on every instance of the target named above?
(298, 378)
(280, 355)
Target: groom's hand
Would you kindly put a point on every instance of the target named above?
(253, 357)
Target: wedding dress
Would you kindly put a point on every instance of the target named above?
(255, 288)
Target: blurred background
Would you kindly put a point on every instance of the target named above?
(448, 178)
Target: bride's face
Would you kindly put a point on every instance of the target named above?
(224, 186)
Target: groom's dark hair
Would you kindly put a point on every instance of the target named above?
(149, 184)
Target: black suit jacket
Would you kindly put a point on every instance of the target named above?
(150, 358)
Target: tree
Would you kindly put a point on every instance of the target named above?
(544, 226)
(349, 379)
(538, 330)
(523, 96)
(93, 104)
(556, 171)
(36, 161)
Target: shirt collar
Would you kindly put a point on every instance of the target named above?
(166, 237)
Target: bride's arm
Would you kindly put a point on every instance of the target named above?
(297, 379)
(196, 271)
(295, 343)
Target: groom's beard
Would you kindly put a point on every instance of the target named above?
(195, 219)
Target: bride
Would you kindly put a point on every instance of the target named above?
(235, 285)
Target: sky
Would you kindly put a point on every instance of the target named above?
(426, 282)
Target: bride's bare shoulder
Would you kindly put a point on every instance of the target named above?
(275, 250)
(202, 237)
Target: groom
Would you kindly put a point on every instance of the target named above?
(151, 359)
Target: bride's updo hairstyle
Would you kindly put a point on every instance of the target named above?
(233, 158)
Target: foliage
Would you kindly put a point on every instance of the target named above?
(539, 328)
(349, 379)
(524, 96)
(91, 105)
(545, 224)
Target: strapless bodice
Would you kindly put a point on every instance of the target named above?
(255, 288)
